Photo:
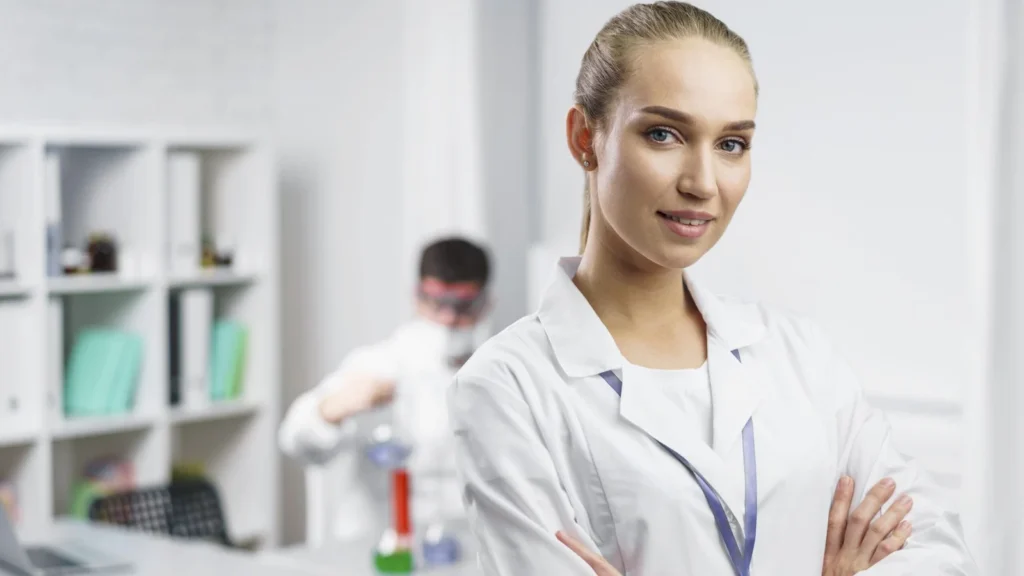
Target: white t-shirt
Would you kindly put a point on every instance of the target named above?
(689, 390)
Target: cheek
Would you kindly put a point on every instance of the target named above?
(634, 179)
(732, 186)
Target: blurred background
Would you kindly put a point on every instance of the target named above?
(336, 137)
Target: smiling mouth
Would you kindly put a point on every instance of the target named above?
(686, 221)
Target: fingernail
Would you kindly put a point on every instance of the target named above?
(888, 482)
(904, 527)
(845, 482)
(905, 501)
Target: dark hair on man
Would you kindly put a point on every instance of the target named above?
(455, 260)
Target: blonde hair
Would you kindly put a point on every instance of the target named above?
(605, 64)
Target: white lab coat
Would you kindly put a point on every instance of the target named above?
(358, 490)
(544, 443)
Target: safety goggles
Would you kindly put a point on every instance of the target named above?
(463, 299)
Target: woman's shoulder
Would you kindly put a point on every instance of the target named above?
(508, 353)
(776, 325)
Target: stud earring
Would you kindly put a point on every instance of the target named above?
(586, 163)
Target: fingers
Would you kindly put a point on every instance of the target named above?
(837, 515)
(861, 518)
(894, 542)
(383, 392)
(881, 528)
(594, 560)
(578, 547)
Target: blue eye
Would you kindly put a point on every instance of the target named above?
(734, 146)
(659, 135)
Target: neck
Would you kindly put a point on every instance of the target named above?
(627, 295)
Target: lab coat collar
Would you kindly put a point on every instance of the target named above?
(581, 343)
(584, 347)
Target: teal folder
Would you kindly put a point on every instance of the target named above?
(122, 390)
(227, 359)
(102, 372)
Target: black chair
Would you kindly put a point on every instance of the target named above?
(183, 509)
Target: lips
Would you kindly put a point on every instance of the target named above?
(687, 224)
(681, 220)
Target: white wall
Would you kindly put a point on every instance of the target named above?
(339, 119)
(996, 465)
(508, 91)
(862, 212)
(145, 61)
(387, 140)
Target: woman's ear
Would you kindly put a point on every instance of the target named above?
(580, 138)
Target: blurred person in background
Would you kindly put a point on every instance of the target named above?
(644, 423)
(399, 382)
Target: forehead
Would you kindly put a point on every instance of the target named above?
(696, 76)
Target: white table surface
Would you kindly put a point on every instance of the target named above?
(356, 559)
(155, 555)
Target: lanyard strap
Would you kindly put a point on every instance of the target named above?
(740, 559)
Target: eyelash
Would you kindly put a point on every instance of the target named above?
(744, 145)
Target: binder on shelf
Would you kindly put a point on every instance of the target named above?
(52, 205)
(194, 330)
(12, 354)
(230, 340)
(174, 349)
(184, 200)
(102, 373)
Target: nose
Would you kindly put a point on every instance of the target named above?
(698, 175)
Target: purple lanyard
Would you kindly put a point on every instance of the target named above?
(740, 559)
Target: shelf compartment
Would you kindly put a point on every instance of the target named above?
(231, 453)
(91, 189)
(18, 210)
(207, 191)
(21, 407)
(144, 450)
(22, 470)
(136, 314)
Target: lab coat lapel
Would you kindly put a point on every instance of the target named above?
(734, 394)
(645, 407)
(736, 383)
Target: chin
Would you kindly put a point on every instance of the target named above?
(679, 257)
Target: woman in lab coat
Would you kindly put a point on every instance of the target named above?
(661, 428)
(400, 383)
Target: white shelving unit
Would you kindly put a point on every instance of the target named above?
(116, 181)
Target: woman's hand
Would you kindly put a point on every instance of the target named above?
(600, 565)
(855, 543)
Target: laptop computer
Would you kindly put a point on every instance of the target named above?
(46, 560)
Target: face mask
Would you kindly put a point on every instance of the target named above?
(452, 345)
(461, 343)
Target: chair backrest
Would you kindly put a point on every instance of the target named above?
(185, 509)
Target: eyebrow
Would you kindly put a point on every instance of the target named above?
(684, 118)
